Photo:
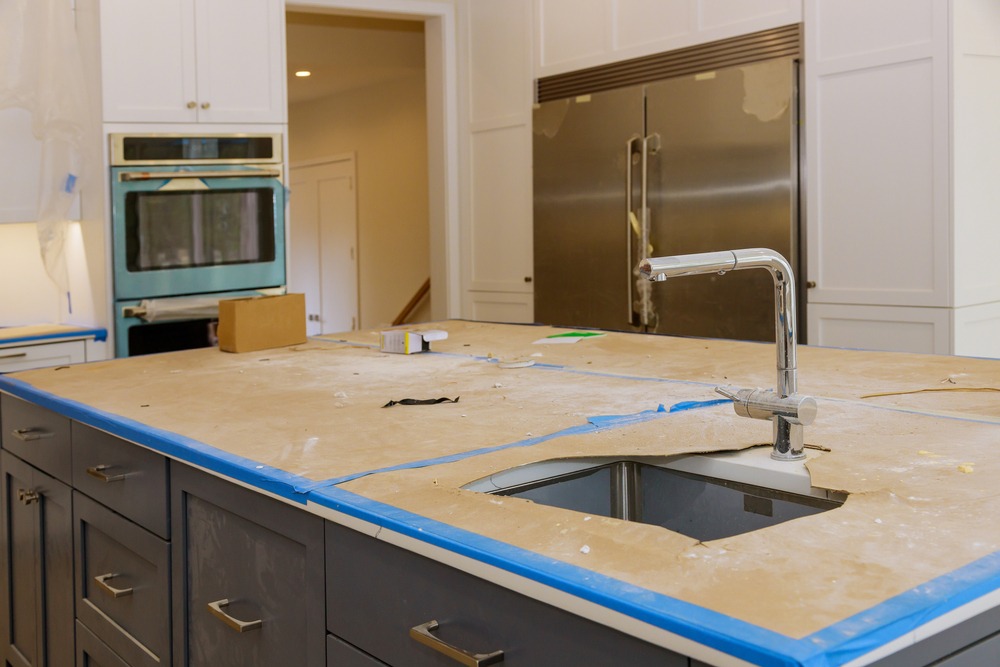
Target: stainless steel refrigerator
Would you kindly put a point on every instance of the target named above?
(697, 163)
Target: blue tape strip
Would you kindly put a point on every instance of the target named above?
(738, 638)
(100, 335)
(267, 478)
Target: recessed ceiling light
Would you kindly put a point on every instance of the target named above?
(303, 73)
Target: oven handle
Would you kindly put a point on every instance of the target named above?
(172, 175)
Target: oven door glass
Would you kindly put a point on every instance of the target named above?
(190, 235)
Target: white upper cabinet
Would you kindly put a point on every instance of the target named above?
(184, 61)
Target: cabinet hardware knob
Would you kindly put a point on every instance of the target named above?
(234, 623)
(527, 279)
(810, 284)
(102, 583)
(27, 496)
(192, 104)
(29, 434)
(97, 472)
(205, 105)
(422, 633)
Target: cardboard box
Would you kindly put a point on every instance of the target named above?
(261, 322)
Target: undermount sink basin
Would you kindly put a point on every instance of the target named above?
(706, 497)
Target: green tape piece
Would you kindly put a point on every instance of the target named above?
(576, 334)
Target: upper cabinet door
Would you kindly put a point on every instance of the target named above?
(183, 61)
(241, 56)
(148, 61)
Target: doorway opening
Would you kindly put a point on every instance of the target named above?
(382, 87)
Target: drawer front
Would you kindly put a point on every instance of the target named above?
(248, 578)
(122, 583)
(127, 478)
(37, 435)
(377, 592)
(26, 357)
(92, 652)
(341, 654)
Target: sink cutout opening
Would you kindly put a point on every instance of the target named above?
(701, 507)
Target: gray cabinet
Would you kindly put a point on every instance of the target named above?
(92, 652)
(247, 576)
(36, 562)
(379, 596)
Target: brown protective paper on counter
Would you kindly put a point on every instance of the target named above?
(32, 330)
(919, 483)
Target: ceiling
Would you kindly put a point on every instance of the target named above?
(348, 52)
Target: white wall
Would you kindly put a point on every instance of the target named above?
(386, 127)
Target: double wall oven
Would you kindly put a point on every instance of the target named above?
(195, 218)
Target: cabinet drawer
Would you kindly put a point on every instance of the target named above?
(26, 357)
(248, 576)
(37, 435)
(127, 478)
(377, 592)
(122, 583)
(92, 652)
(341, 654)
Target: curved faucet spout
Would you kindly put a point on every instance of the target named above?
(788, 435)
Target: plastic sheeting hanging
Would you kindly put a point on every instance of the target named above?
(41, 71)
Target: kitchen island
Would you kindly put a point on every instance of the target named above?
(906, 571)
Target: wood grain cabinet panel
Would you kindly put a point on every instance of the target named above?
(247, 577)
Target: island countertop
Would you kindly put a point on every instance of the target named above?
(912, 440)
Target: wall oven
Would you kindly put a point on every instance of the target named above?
(193, 217)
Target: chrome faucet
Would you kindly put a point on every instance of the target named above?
(783, 407)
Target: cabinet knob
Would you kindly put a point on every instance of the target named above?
(27, 496)
(192, 104)
(810, 284)
(527, 279)
(205, 105)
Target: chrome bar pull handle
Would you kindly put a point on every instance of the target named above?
(236, 624)
(97, 472)
(29, 434)
(632, 228)
(102, 583)
(423, 633)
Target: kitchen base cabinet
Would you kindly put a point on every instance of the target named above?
(247, 577)
(377, 593)
(341, 654)
(36, 562)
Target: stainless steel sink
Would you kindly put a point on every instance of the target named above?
(672, 493)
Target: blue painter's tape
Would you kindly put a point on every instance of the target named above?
(100, 335)
(744, 640)
(267, 478)
(70, 184)
(694, 405)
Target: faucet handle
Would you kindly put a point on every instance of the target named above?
(766, 404)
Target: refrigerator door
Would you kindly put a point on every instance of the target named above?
(582, 154)
(725, 177)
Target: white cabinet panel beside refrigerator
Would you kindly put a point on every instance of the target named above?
(696, 163)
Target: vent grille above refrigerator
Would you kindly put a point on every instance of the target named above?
(755, 47)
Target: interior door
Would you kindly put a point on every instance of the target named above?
(724, 177)
(324, 238)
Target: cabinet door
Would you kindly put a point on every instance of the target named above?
(248, 577)
(148, 61)
(240, 61)
(37, 567)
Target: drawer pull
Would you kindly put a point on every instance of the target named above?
(235, 623)
(27, 496)
(97, 472)
(19, 355)
(29, 434)
(102, 583)
(423, 634)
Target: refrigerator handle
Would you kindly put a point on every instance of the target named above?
(650, 146)
(632, 228)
